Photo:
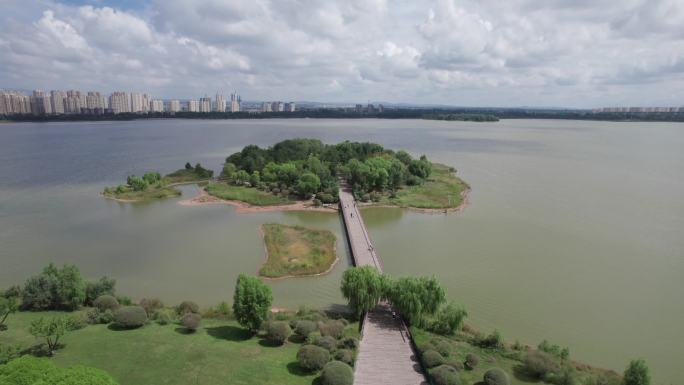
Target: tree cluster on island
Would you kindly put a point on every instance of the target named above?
(307, 166)
(152, 185)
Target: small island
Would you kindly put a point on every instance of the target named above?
(307, 170)
(295, 251)
(152, 185)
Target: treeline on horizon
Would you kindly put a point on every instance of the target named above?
(308, 166)
(460, 114)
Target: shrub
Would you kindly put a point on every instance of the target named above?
(492, 341)
(346, 356)
(348, 343)
(327, 342)
(106, 302)
(471, 361)
(220, 311)
(77, 321)
(54, 288)
(151, 305)
(102, 286)
(279, 332)
(443, 347)
(130, 317)
(8, 353)
(337, 373)
(333, 328)
(326, 198)
(445, 375)
(305, 327)
(496, 376)
(124, 300)
(164, 317)
(432, 359)
(540, 364)
(313, 337)
(187, 307)
(312, 357)
(95, 316)
(425, 346)
(637, 373)
(32, 370)
(191, 321)
(567, 376)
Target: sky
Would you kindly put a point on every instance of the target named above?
(509, 53)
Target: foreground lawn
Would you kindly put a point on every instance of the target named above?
(296, 250)
(442, 190)
(220, 352)
(248, 195)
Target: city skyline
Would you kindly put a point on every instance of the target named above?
(465, 53)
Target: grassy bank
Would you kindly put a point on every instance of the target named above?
(151, 193)
(220, 352)
(248, 195)
(442, 190)
(186, 175)
(296, 250)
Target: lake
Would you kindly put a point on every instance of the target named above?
(573, 233)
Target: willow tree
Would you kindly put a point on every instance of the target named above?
(415, 297)
(363, 287)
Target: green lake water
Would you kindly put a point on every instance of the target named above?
(574, 231)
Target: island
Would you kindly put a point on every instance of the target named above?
(295, 251)
(152, 185)
(309, 171)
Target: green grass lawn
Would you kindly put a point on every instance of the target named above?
(151, 193)
(296, 250)
(220, 352)
(441, 190)
(248, 195)
(184, 176)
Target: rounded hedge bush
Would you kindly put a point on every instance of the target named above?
(188, 307)
(443, 347)
(312, 357)
(496, 376)
(130, 317)
(327, 342)
(346, 356)
(191, 321)
(431, 359)
(348, 343)
(332, 328)
(337, 373)
(445, 375)
(539, 364)
(106, 302)
(278, 332)
(151, 305)
(305, 327)
(163, 317)
(471, 361)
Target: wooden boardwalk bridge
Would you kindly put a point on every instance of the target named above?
(386, 355)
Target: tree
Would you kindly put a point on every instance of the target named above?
(51, 330)
(637, 373)
(188, 166)
(540, 364)
(102, 286)
(449, 319)
(137, 184)
(72, 287)
(251, 302)
(362, 287)
(308, 184)
(7, 307)
(151, 177)
(240, 177)
(415, 297)
(32, 370)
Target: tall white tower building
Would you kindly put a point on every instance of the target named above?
(235, 102)
(220, 103)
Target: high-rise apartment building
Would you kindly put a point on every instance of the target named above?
(156, 105)
(205, 104)
(146, 103)
(277, 107)
(74, 102)
(266, 107)
(290, 107)
(57, 101)
(193, 106)
(136, 102)
(14, 103)
(119, 103)
(220, 103)
(174, 106)
(40, 104)
(94, 101)
(235, 102)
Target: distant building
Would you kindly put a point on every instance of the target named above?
(14, 103)
(40, 104)
(220, 105)
(266, 107)
(174, 106)
(193, 106)
(156, 105)
(119, 103)
(205, 104)
(57, 101)
(136, 103)
(358, 108)
(235, 102)
(290, 107)
(146, 103)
